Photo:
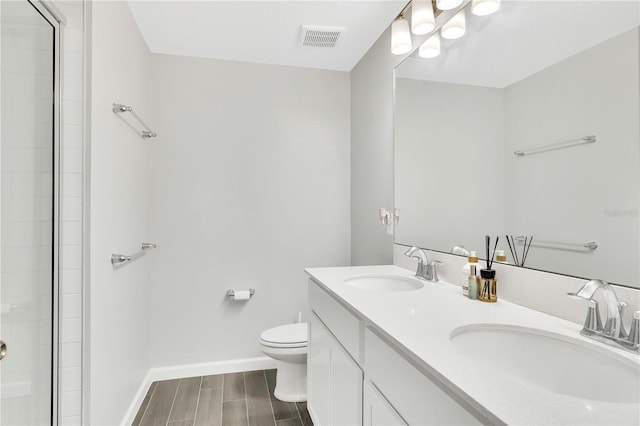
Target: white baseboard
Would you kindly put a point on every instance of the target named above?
(193, 370)
(209, 368)
(130, 415)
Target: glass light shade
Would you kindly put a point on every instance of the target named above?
(400, 37)
(430, 48)
(448, 4)
(422, 19)
(484, 7)
(455, 28)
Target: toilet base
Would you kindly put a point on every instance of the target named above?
(291, 382)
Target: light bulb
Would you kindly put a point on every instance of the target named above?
(484, 7)
(430, 48)
(448, 4)
(422, 19)
(455, 28)
(400, 37)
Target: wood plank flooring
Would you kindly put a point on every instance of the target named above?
(236, 399)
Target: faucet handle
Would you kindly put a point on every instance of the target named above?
(432, 273)
(623, 332)
(593, 323)
(634, 333)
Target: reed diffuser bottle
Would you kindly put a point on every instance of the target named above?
(488, 284)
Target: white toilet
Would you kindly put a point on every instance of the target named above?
(287, 344)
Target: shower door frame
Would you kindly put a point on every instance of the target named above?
(50, 13)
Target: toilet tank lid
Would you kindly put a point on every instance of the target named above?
(289, 333)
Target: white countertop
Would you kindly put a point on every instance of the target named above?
(420, 322)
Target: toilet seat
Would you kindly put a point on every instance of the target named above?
(286, 336)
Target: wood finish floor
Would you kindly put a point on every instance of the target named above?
(236, 399)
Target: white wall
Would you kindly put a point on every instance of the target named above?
(250, 185)
(119, 214)
(592, 93)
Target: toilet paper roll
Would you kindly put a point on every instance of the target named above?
(241, 295)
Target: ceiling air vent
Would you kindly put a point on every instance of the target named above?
(317, 36)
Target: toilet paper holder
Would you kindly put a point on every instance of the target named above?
(232, 293)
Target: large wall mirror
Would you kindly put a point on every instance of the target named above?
(537, 77)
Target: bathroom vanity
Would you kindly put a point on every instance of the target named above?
(386, 348)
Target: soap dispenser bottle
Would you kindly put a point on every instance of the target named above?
(466, 271)
(474, 284)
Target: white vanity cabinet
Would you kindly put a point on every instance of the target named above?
(334, 378)
(418, 399)
(344, 351)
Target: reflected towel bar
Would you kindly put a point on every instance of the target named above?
(591, 245)
(146, 132)
(117, 259)
(553, 147)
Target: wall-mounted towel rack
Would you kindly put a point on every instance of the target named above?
(122, 258)
(554, 146)
(591, 245)
(146, 132)
(232, 293)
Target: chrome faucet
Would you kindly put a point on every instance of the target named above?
(613, 330)
(426, 270)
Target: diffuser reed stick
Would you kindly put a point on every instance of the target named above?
(526, 253)
(513, 256)
(511, 240)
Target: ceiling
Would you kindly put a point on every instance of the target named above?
(263, 31)
(522, 38)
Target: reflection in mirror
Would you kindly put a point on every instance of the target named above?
(530, 77)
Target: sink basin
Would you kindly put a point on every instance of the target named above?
(384, 282)
(552, 362)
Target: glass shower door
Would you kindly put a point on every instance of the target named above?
(27, 129)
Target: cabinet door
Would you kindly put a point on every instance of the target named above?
(334, 380)
(319, 373)
(377, 410)
(346, 388)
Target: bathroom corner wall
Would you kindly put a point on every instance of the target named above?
(250, 186)
(372, 153)
(372, 158)
(118, 317)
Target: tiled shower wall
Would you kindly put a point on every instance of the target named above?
(71, 224)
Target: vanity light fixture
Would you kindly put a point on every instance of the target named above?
(484, 7)
(400, 36)
(455, 28)
(423, 20)
(430, 48)
(448, 4)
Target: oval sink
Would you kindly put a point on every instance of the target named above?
(384, 282)
(554, 363)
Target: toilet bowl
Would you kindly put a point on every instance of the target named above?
(287, 344)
